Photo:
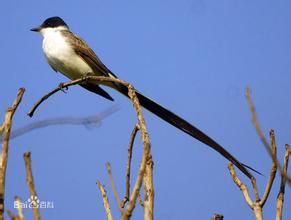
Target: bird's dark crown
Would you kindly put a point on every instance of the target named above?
(54, 22)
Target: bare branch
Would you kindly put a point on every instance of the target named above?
(105, 201)
(255, 121)
(145, 155)
(128, 166)
(30, 184)
(148, 189)
(280, 197)
(11, 215)
(255, 188)
(272, 171)
(109, 171)
(99, 79)
(255, 206)
(19, 207)
(6, 129)
(20, 215)
(240, 185)
(256, 124)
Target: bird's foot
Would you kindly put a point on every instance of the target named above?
(85, 77)
(63, 88)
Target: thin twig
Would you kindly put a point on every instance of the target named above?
(30, 184)
(98, 79)
(109, 171)
(6, 128)
(240, 185)
(255, 188)
(12, 215)
(20, 215)
(144, 135)
(145, 156)
(254, 205)
(280, 197)
(255, 121)
(272, 171)
(148, 189)
(257, 126)
(19, 207)
(105, 201)
(128, 165)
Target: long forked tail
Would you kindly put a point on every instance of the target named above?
(186, 127)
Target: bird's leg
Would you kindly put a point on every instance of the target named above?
(84, 78)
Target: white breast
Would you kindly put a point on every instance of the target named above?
(61, 56)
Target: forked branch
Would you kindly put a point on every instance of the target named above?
(5, 131)
(146, 165)
(260, 132)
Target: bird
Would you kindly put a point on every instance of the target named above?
(70, 55)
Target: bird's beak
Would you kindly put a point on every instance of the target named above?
(37, 29)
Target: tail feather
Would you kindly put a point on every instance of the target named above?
(184, 126)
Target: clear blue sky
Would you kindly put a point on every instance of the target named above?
(194, 56)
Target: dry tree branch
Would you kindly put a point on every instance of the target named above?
(254, 205)
(255, 188)
(11, 215)
(240, 185)
(146, 161)
(272, 171)
(280, 197)
(6, 128)
(20, 215)
(257, 126)
(19, 207)
(256, 123)
(30, 184)
(258, 204)
(146, 156)
(148, 203)
(128, 165)
(109, 171)
(105, 201)
(100, 79)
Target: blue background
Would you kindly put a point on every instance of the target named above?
(194, 56)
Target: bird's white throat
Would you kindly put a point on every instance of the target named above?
(60, 54)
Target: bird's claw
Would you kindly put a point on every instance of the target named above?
(63, 88)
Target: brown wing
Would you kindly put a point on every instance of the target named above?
(87, 54)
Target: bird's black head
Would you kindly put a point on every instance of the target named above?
(51, 22)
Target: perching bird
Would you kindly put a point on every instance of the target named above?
(68, 54)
